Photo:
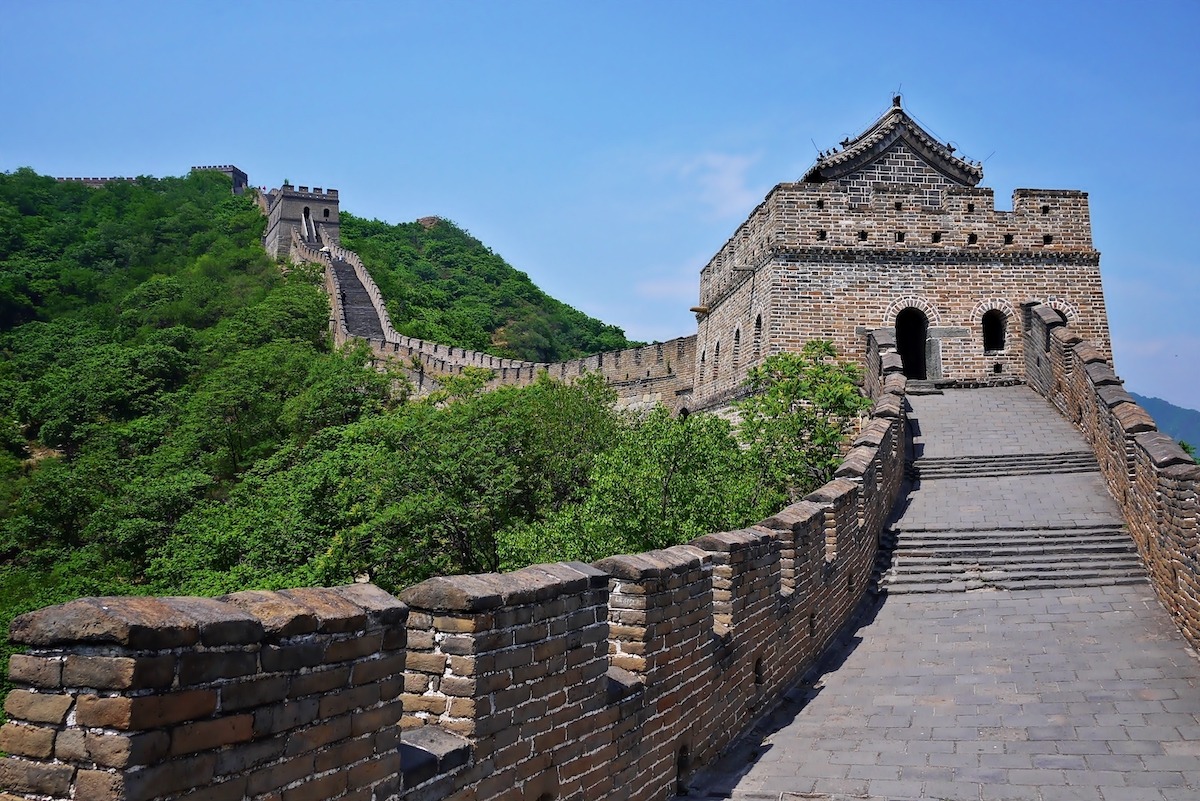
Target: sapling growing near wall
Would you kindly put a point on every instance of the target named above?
(795, 422)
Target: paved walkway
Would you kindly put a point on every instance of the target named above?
(1081, 694)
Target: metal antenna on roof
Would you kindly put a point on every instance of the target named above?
(814, 144)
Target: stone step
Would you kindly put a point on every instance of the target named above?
(920, 570)
(1012, 547)
(361, 318)
(1012, 558)
(988, 466)
(969, 585)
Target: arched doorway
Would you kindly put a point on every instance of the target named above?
(912, 330)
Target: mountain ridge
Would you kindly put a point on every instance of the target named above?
(1179, 422)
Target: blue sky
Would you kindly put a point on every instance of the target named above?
(609, 148)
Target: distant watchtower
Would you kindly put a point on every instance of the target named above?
(890, 231)
(238, 177)
(310, 212)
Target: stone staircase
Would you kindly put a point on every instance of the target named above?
(1004, 557)
(1025, 464)
(361, 318)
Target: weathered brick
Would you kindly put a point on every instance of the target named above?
(118, 672)
(252, 692)
(166, 778)
(38, 671)
(319, 789)
(38, 707)
(205, 667)
(147, 711)
(335, 703)
(273, 777)
(205, 734)
(99, 785)
(287, 715)
(319, 681)
(22, 776)
(375, 669)
(24, 740)
(70, 746)
(124, 750)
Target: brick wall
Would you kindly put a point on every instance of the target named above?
(564, 681)
(1155, 482)
(288, 695)
(659, 373)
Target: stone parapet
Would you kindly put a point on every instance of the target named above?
(1155, 482)
(253, 695)
(561, 681)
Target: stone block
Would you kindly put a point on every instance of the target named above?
(319, 681)
(333, 610)
(37, 671)
(145, 711)
(220, 623)
(25, 740)
(291, 658)
(142, 623)
(170, 777)
(207, 734)
(454, 594)
(125, 750)
(118, 672)
(381, 607)
(1162, 450)
(38, 707)
(253, 692)
(1133, 418)
(280, 615)
(35, 778)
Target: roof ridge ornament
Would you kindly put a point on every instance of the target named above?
(869, 146)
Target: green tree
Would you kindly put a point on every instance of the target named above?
(796, 418)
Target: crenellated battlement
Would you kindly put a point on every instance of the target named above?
(563, 681)
(822, 219)
(1156, 483)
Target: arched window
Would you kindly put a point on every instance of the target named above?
(994, 330)
(716, 358)
(737, 346)
(757, 336)
(325, 214)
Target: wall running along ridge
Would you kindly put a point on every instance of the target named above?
(561, 681)
(1155, 482)
(660, 373)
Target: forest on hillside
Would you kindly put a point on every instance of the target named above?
(444, 285)
(174, 420)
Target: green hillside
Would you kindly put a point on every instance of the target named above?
(1182, 424)
(173, 419)
(444, 285)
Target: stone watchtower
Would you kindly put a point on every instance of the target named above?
(291, 207)
(890, 231)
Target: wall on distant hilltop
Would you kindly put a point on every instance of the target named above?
(659, 373)
(1155, 482)
(555, 682)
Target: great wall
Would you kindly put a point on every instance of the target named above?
(622, 679)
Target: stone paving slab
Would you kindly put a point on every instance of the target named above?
(1083, 694)
(990, 421)
(1033, 695)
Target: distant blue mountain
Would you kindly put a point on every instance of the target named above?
(1178, 422)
